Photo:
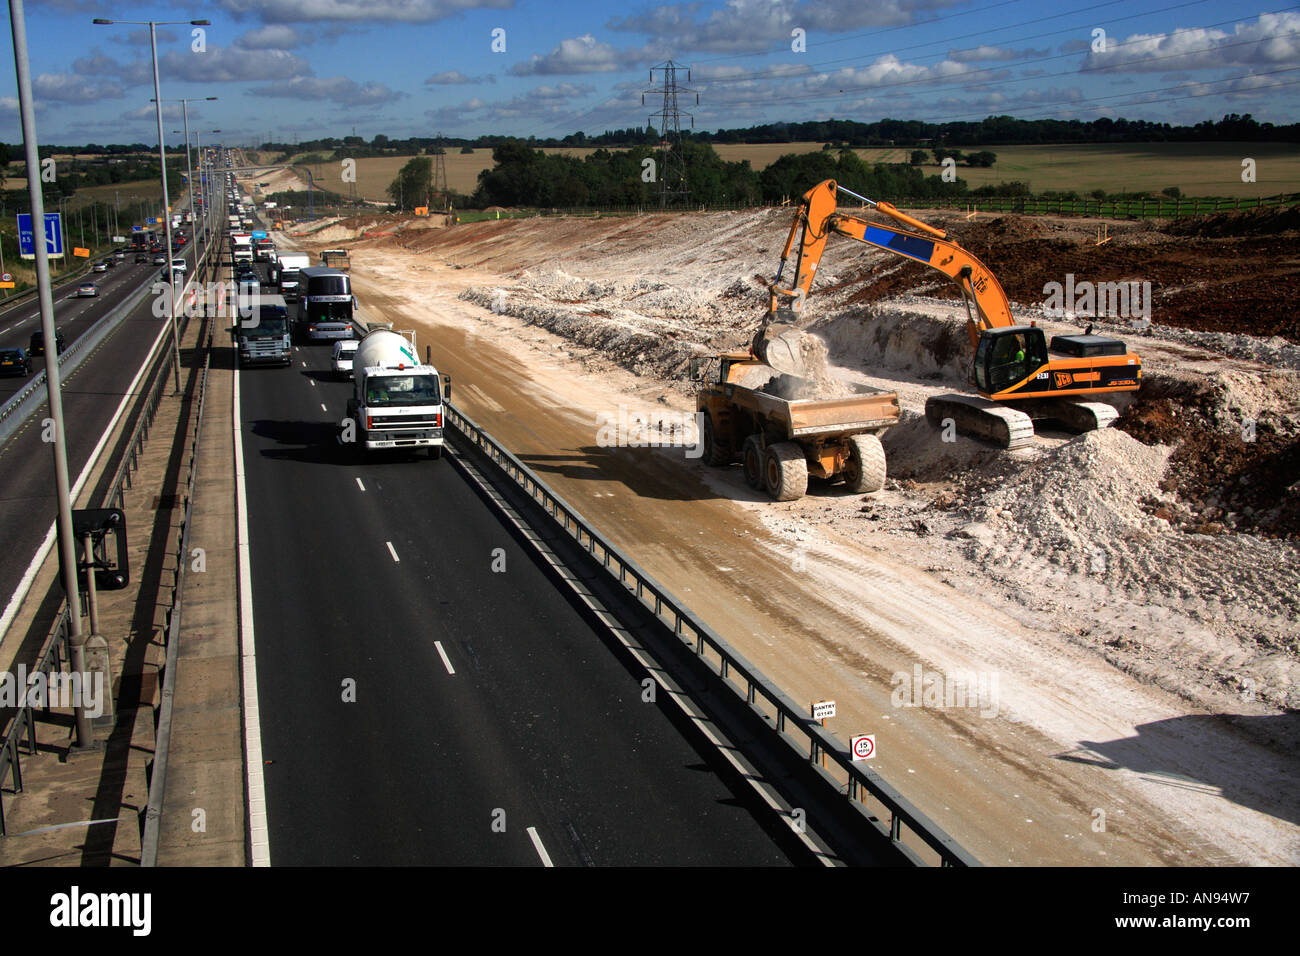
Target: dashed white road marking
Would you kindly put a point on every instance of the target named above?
(446, 661)
(392, 550)
(323, 408)
(360, 485)
(537, 845)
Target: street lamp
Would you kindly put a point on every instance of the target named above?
(162, 158)
(201, 224)
(53, 386)
(189, 167)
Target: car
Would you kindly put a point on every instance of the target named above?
(15, 361)
(120, 254)
(87, 290)
(36, 345)
(99, 267)
(160, 260)
(344, 351)
(141, 257)
(110, 263)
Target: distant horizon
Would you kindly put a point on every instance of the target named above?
(455, 142)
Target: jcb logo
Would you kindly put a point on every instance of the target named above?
(1063, 379)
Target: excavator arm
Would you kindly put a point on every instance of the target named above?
(987, 305)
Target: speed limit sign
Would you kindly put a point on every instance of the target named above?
(863, 746)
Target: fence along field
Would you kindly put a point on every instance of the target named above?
(1198, 169)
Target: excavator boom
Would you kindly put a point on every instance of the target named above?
(1011, 362)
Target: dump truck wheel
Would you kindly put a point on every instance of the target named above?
(713, 455)
(752, 461)
(865, 471)
(785, 472)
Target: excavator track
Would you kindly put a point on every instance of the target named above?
(980, 418)
(1080, 416)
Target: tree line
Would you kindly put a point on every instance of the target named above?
(992, 130)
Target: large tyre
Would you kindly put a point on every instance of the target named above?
(713, 454)
(865, 471)
(785, 472)
(434, 452)
(752, 462)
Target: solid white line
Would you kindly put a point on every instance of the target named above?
(392, 551)
(259, 837)
(360, 485)
(446, 661)
(537, 845)
(25, 583)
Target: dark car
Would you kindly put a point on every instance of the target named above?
(141, 257)
(37, 344)
(15, 362)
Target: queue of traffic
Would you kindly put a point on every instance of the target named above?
(397, 401)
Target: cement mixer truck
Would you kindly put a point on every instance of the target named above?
(397, 402)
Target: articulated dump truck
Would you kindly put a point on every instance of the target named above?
(781, 442)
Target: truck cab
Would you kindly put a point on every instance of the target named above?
(397, 401)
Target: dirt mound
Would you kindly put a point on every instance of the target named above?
(1251, 222)
(1070, 505)
(1236, 459)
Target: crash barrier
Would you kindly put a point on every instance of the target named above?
(857, 782)
(163, 726)
(53, 651)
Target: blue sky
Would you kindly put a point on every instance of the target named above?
(308, 68)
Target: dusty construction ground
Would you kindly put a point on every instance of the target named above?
(1135, 603)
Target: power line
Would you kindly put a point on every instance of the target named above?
(1018, 39)
(965, 78)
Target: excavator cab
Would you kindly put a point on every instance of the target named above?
(1008, 355)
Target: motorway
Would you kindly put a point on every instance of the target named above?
(90, 400)
(72, 315)
(490, 724)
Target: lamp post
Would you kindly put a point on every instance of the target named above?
(162, 157)
(66, 540)
(189, 167)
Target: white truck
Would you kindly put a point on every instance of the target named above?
(397, 401)
(285, 271)
(241, 247)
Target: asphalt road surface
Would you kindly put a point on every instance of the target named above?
(418, 707)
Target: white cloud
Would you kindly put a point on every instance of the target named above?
(67, 88)
(456, 78)
(401, 11)
(338, 89)
(1272, 40)
(584, 54)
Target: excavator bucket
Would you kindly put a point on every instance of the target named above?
(780, 347)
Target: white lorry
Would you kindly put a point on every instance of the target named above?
(397, 401)
(285, 271)
(241, 247)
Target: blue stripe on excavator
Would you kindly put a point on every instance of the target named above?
(910, 246)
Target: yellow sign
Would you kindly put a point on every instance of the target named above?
(84, 253)
(422, 210)
(6, 285)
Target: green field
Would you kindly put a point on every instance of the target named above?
(1198, 169)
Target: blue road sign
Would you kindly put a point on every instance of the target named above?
(152, 221)
(53, 235)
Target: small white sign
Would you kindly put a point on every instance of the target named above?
(864, 747)
(823, 709)
(119, 238)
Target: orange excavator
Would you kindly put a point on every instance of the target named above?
(1018, 375)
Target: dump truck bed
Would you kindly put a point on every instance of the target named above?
(868, 409)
